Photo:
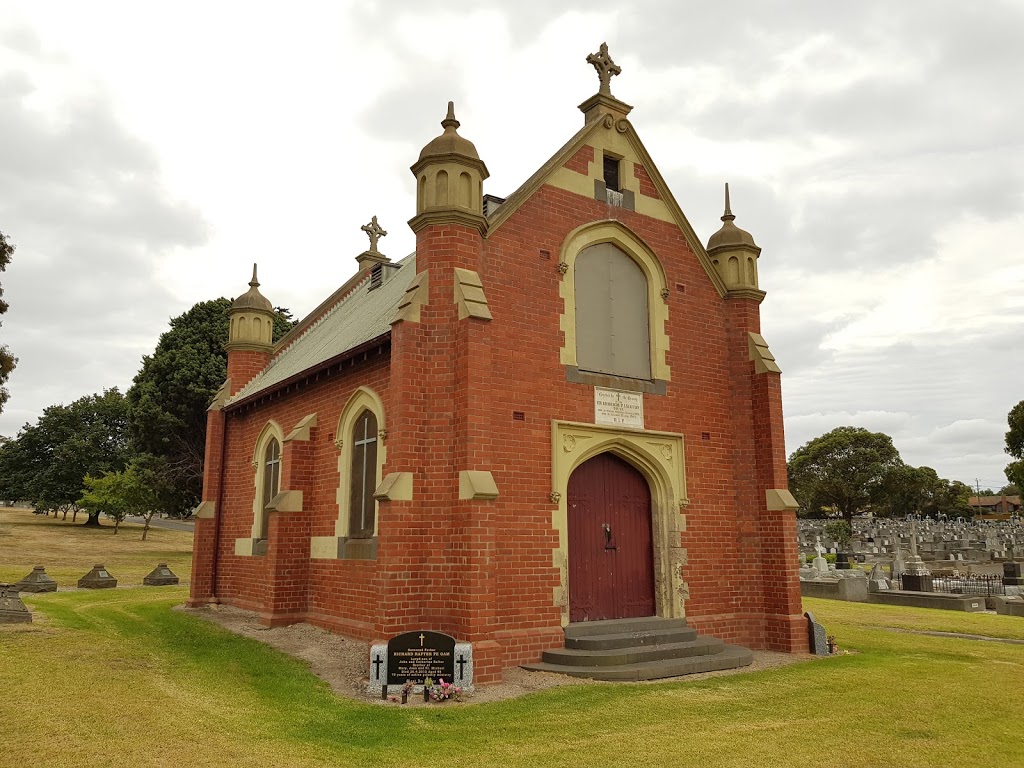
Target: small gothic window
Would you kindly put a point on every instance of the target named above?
(612, 327)
(611, 173)
(271, 481)
(364, 476)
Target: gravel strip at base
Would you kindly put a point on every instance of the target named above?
(344, 663)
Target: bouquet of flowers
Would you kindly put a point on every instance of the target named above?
(443, 691)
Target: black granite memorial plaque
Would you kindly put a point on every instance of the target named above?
(418, 655)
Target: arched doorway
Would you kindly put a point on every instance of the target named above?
(611, 553)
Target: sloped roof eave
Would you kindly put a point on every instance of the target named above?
(309, 372)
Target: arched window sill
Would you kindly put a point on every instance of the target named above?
(650, 386)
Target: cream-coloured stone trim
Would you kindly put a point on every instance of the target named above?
(286, 501)
(416, 296)
(469, 295)
(302, 429)
(780, 499)
(245, 547)
(221, 397)
(251, 329)
(272, 429)
(762, 357)
(324, 547)
(620, 139)
(660, 457)
(206, 510)
(633, 246)
(362, 398)
(477, 484)
(397, 486)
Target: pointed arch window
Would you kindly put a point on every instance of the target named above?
(271, 482)
(612, 318)
(362, 506)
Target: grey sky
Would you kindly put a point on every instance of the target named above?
(873, 150)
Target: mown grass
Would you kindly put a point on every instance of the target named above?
(68, 550)
(118, 678)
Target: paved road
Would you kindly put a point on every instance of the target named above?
(174, 525)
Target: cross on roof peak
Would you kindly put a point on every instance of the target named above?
(605, 67)
(375, 232)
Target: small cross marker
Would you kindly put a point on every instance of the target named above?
(462, 663)
(376, 666)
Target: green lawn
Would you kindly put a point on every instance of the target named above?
(116, 678)
(68, 550)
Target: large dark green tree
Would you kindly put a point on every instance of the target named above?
(1015, 445)
(844, 471)
(172, 391)
(46, 462)
(919, 490)
(7, 360)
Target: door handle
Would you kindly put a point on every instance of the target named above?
(608, 536)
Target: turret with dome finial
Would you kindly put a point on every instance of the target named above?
(449, 179)
(251, 320)
(734, 255)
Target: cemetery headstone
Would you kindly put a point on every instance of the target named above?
(817, 640)
(418, 655)
(12, 610)
(97, 578)
(161, 576)
(37, 581)
(877, 581)
(1011, 574)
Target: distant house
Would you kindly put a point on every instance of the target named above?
(1003, 506)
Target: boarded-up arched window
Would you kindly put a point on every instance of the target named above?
(612, 326)
(364, 476)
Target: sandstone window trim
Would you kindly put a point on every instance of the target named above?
(271, 434)
(364, 475)
(347, 543)
(627, 241)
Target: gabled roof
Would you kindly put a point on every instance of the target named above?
(590, 134)
(351, 317)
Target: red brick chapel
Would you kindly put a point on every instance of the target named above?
(559, 409)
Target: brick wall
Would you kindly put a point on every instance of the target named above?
(482, 569)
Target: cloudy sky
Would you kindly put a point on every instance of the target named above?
(149, 153)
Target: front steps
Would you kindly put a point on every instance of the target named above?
(647, 648)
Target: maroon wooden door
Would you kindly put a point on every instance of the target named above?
(611, 557)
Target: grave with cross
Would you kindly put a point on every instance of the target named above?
(418, 655)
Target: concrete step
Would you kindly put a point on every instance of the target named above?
(702, 646)
(730, 657)
(632, 639)
(621, 626)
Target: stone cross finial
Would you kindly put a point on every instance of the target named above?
(375, 231)
(605, 67)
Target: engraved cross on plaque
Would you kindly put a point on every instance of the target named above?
(462, 663)
(421, 639)
(375, 232)
(605, 67)
(377, 661)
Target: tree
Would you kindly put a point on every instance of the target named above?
(843, 471)
(1010, 489)
(135, 491)
(1015, 445)
(46, 463)
(173, 389)
(7, 360)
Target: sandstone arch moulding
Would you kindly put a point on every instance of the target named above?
(632, 245)
(364, 398)
(660, 458)
(251, 545)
